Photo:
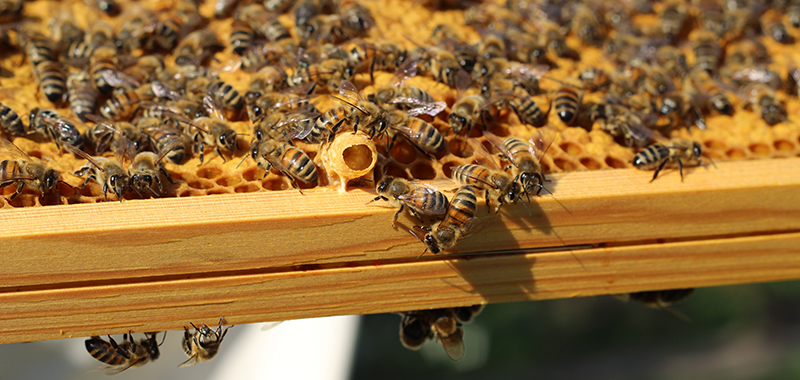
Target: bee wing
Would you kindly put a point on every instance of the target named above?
(213, 107)
(462, 82)
(453, 344)
(169, 147)
(349, 90)
(124, 149)
(300, 119)
(13, 150)
(540, 144)
(483, 156)
(118, 78)
(498, 144)
(431, 109)
(526, 70)
(270, 325)
(189, 362)
(641, 132)
(497, 97)
(84, 155)
(406, 70)
(163, 90)
(116, 370)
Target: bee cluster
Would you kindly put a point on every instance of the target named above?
(156, 98)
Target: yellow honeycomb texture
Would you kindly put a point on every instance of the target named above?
(741, 136)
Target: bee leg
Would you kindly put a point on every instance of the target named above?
(166, 175)
(336, 128)
(86, 182)
(20, 187)
(680, 168)
(372, 68)
(355, 125)
(294, 183)
(219, 152)
(391, 144)
(660, 166)
(397, 214)
(105, 191)
(486, 196)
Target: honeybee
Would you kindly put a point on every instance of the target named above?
(223, 8)
(418, 327)
(567, 102)
(122, 356)
(420, 198)
(526, 158)
(110, 7)
(226, 96)
(278, 6)
(671, 59)
(523, 105)
(491, 45)
(282, 101)
(762, 99)
(267, 80)
(355, 112)
(38, 47)
(147, 167)
(263, 22)
(586, 25)
(459, 223)
(105, 133)
(290, 161)
(383, 55)
(594, 79)
(52, 80)
(212, 131)
(356, 18)
(525, 47)
(708, 87)
(161, 137)
(745, 53)
(423, 135)
(81, 94)
(442, 65)
(448, 38)
(124, 102)
(661, 299)
(706, 50)
(683, 106)
(60, 129)
(465, 112)
(660, 155)
(10, 10)
(203, 345)
(137, 25)
(10, 122)
(672, 20)
(100, 34)
(327, 74)
(106, 171)
(184, 17)
(19, 168)
(298, 123)
(196, 46)
(775, 28)
(407, 97)
(102, 61)
(260, 56)
(145, 70)
(241, 37)
(497, 184)
(793, 11)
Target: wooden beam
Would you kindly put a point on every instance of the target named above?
(157, 264)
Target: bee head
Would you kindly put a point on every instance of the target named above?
(514, 192)
(50, 180)
(697, 150)
(120, 183)
(530, 180)
(228, 140)
(384, 184)
(432, 244)
(151, 346)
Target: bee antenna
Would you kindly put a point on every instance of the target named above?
(709, 159)
(242, 161)
(163, 339)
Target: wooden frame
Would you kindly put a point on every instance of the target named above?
(151, 265)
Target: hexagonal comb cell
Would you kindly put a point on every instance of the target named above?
(228, 181)
(423, 170)
(247, 188)
(209, 172)
(403, 152)
(590, 163)
(784, 146)
(615, 163)
(760, 149)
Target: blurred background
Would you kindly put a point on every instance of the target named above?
(736, 332)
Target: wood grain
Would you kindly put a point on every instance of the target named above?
(156, 264)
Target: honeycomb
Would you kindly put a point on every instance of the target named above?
(741, 136)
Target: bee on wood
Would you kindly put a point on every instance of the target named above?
(418, 197)
(356, 112)
(203, 344)
(106, 171)
(526, 158)
(19, 168)
(459, 223)
(122, 356)
(684, 152)
(661, 299)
